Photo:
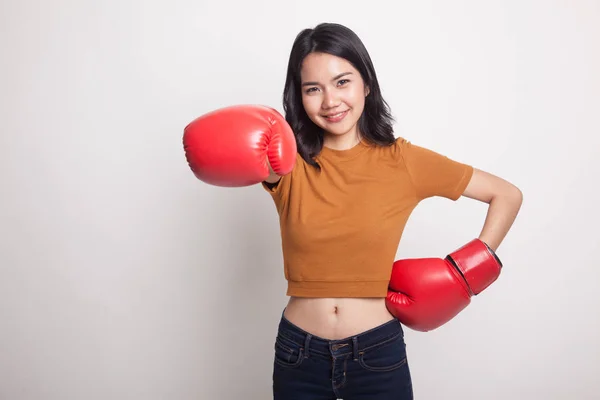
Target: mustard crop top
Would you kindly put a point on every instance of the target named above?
(341, 226)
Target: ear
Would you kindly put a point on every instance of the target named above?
(367, 90)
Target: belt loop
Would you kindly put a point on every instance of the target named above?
(307, 344)
(355, 347)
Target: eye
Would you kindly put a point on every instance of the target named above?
(343, 81)
(309, 90)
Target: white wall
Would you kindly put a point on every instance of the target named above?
(123, 277)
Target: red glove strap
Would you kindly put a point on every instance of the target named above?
(477, 263)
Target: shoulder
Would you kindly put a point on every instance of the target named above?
(394, 150)
(402, 144)
(398, 144)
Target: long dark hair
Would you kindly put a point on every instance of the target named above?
(375, 123)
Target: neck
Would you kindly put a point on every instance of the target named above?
(343, 142)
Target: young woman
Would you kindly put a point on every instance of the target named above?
(344, 188)
(354, 196)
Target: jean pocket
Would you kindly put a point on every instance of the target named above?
(385, 356)
(287, 353)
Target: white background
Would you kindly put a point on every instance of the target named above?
(124, 277)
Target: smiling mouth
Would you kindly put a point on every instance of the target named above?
(336, 117)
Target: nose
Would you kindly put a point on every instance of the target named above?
(330, 100)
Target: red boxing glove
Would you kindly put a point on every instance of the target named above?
(230, 146)
(425, 293)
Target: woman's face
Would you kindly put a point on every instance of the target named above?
(333, 93)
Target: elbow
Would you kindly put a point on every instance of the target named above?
(516, 195)
(511, 195)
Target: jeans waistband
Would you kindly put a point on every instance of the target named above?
(338, 347)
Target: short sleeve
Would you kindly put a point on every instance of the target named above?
(434, 174)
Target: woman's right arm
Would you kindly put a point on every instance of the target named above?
(273, 177)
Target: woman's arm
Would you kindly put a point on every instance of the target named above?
(273, 177)
(504, 201)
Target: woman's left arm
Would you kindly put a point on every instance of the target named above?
(504, 201)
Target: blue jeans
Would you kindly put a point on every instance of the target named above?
(369, 366)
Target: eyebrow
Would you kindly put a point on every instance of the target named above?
(333, 79)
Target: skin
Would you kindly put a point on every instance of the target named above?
(331, 85)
